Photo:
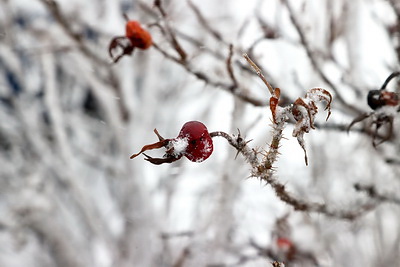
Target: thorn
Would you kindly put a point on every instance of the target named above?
(248, 141)
(237, 153)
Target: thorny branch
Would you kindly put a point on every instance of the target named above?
(259, 171)
(263, 169)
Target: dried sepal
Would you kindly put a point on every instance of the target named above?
(119, 47)
(358, 119)
(302, 143)
(320, 95)
(273, 103)
(158, 161)
(161, 143)
(304, 111)
(382, 120)
(385, 106)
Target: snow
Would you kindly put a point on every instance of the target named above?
(208, 147)
(179, 145)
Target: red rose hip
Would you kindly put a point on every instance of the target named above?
(194, 142)
(138, 36)
(135, 37)
(200, 144)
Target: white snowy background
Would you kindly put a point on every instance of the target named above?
(69, 121)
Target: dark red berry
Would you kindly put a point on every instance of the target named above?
(199, 142)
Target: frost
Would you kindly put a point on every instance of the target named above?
(281, 114)
(208, 147)
(304, 121)
(206, 151)
(179, 145)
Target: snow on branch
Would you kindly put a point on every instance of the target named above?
(303, 110)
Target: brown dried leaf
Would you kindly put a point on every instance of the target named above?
(273, 102)
(119, 47)
(358, 119)
(299, 116)
(321, 94)
(156, 145)
(159, 161)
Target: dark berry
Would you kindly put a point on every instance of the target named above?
(199, 142)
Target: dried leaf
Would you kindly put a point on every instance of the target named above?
(299, 116)
(320, 94)
(304, 111)
(156, 145)
(359, 119)
(119, 47)
(300, 139)
(273, 102)
(159, 161)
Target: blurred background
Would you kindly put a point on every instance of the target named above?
(70, 119)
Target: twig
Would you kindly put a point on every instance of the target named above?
(190, 39)
(230, 68)
(177, 46)
(314, 61)
(393, 161)
(297, 256)
(65, 24)
(178, 234)
(199, 43)
(395, 32)
(370, 190)
(388, 79)
(204, 22)
(259, 73)
(182, 258)
(237, 91)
